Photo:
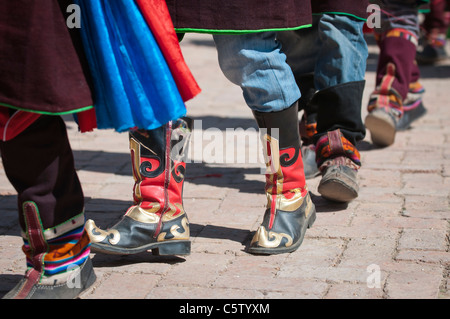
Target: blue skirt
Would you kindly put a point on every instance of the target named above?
(133, 85)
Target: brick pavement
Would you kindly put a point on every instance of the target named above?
(391, 242)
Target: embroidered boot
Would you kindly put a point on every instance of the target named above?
(385, 110)
(338, 161)
(396, 70)
(339, 127)
(58, 264)
(51, 214)
(413, 107)
(157, 220)
(434, 50)
(290, 210)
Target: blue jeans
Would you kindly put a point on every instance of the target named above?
(256, 63)
(334, 50)
(329, 63)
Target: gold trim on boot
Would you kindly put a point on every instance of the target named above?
(289, 211)
(157, 220)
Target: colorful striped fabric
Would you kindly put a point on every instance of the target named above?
(64, 252)
(416, 88)
(388, 101)
(385, 96)
(325, 149)
(402, 33)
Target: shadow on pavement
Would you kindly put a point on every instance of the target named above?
(8, 282)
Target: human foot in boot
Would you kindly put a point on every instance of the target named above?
(157, 220)
(289, 210)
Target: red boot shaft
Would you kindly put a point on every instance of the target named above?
(157, 220)
(289, 210)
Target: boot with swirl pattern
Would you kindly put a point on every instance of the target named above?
(289, 210)
(157, 220)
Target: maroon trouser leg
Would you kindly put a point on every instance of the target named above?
(39, 164)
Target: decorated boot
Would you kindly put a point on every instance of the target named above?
(385, 110)
(339, 161)
(389, 114)
(433, 51)
(339, 128)
(157, 220)
(51, 212)
(396, 70)
(290, 210)
(58, 264)
(413, 107)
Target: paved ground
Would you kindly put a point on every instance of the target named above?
(391, 242)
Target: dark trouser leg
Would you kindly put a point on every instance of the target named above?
(39, 163)
(339, 128)
(395, 73)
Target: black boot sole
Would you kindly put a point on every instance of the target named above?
(166, 248)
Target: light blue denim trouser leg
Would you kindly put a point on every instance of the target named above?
(334, 50)
(256, 63)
